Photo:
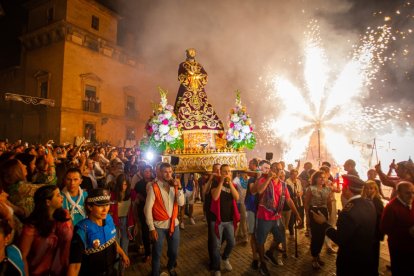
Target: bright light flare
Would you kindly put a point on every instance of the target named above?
(149, 155)
(329, 110)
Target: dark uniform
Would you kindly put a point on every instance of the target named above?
(355, 236)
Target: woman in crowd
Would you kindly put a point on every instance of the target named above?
(29, 161)
(371, 192)
(13, 180)
(8, 212)
(46, 236)
(94, 248)
(121, 211)
(45, 169)
(333, 215)
(317, 199)
(11, 262)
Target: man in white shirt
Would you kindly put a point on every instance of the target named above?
(164, 195)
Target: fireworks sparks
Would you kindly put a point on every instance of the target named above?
(333, 111)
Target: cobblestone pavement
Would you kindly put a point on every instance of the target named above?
(193, 255)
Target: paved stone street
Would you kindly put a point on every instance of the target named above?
(193, 255)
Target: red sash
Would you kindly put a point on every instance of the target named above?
(159, 212)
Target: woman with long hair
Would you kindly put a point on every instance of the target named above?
(371, 192)
(121, 211)
(318, 200)
(46, 236)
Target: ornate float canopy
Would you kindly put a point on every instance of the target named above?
(203, 133)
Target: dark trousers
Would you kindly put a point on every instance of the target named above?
(211, 243)
(376, 255)
(145, 234)
(317, 231)
(401, 262)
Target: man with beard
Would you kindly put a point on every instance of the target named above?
(161, 212)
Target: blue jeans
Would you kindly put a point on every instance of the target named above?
(263, 227)
(172, 252)
(228, 229)
(122, 234)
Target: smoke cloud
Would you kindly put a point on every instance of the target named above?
(239, 41)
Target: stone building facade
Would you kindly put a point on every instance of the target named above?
(70, 56)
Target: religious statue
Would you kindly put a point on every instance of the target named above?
(199, 122)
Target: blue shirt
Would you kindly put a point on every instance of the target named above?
(75, 213)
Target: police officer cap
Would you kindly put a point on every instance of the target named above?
(354, 183)
(99, 197)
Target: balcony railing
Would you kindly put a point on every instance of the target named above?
(92, 105)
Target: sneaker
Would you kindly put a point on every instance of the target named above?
(269, 256)
(255, 265)
(182, 225)
(192, 221)
(263, 269)
(172, 272)
(227, 265)
(217, 273)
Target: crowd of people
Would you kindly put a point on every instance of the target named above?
(74, 210)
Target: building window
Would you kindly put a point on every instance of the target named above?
(130, 134)
(44, 89)
(50, 14)
(130, 107)
(95, 22)
(91, 102)
(89, 131)
(43, 84)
